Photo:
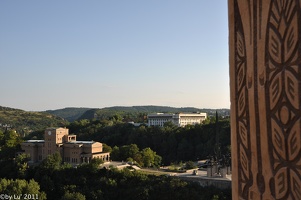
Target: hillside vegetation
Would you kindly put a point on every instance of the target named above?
(139, 113)
(174, 144)
(127, 113)
(53, 179)
(71, 114)
(25, 122)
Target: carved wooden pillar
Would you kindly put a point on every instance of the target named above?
(265, 82)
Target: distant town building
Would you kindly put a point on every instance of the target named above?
(179, 119)
(58, 140)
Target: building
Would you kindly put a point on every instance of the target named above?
(59, 140)
(179, 119)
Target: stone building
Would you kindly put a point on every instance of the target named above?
(180, 119)
(59, 140)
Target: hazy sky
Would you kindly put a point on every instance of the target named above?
(100, 53)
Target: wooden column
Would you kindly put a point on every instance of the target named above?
(265, 85)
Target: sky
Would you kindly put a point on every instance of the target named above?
(101, 53)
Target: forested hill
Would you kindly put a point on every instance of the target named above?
(127, 113)
(71, 113)
(138, 113)
(2, 108)
(25, 122)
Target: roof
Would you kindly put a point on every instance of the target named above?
(81, 142)
(177, 115)
(32, 141)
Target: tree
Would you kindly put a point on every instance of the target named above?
(157, 160)
(128, 151)
(206, 121)
(184, 149)
(115, 154)
(133, 149)
(52, 163)
(21, 187)
(169, 124)
(117, 118)
(9, 144)
(106, 148)
(1, 139)
(73, 196)
(173, 143)
(95, 163)
(190, 165)
(148, 157)
(21, 164)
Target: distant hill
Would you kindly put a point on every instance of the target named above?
(2, 108)
(138, 113)
(71, 114)
(25, 122)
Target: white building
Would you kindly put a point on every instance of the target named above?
(180, 119)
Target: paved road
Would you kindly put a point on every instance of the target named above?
(202, 174)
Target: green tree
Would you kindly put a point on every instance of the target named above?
(95, 164)
(52, 163)
(173, 143)
(21, 165)
(128, 151)
(115, 154)
(2, 141)
(169, 124)
(106, 148)
(206, 121)
(190, 165)
(117, 118)
(9, 144)
(148, 157)
(157, 160)
(73, 196)
(21, 186)
(133, 149)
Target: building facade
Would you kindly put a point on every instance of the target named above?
(179, 119)
(59, 140)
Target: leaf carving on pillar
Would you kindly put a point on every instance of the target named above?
(291, 88)
(283, 78)
(242, 113)
(295, 185)
(281, 183)
(241, 102)
(278, 140)
(244, 162)
(241, 75)
(283, 31)
(294, 142)
(275, 90)
(243, 133)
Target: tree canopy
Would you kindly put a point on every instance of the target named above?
(172, 143)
